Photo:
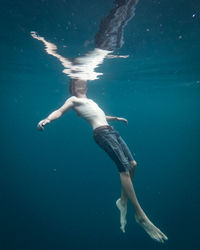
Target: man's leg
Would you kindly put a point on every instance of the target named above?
(122, 201)
(140, 216)
(124, 198)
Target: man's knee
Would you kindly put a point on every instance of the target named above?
(133, 163)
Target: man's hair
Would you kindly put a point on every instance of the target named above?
(77, 86)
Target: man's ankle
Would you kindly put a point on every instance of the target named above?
(123, 202)
(140, 216)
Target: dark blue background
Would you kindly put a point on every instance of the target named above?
(57, 188)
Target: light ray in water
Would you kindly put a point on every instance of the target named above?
(81, 67)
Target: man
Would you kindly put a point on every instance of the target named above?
(108, 139)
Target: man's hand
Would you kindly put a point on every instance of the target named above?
(114, 118)
(42, 123)
(122, 120)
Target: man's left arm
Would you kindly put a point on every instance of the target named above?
(115, 118)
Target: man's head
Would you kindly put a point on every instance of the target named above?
(77, 87)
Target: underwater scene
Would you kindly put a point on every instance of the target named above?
(100, 125)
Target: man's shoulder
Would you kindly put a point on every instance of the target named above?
(72, 99)
(75, 100)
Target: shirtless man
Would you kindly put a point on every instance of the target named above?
(111, 142)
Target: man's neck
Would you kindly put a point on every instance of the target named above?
(81, 96)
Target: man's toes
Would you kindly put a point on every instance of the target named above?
(159, 238)
(163, 235)
(153, 236)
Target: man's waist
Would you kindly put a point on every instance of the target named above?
(103, 127)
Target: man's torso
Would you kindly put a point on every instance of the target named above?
(90, 111)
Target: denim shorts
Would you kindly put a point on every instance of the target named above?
(112, 143)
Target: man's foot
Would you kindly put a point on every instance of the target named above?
(123, 212)
(152, 230)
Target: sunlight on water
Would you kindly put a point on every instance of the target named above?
(81, 67)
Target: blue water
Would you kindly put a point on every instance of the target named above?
(57, 188)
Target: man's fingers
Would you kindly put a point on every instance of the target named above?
(126, 121)
(42, 123)
(40, 127)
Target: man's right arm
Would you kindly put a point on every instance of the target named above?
(115, 118)
(57, 113)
